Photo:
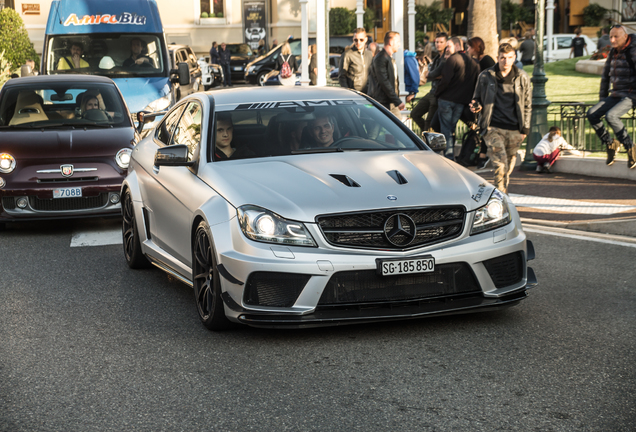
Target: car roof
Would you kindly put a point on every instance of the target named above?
(53, 79)
(280, 93)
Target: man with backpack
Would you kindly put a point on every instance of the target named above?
(355, 62)
(619, 70)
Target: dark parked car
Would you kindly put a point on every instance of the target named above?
(184, 54)
(65, 145)
(241, 55)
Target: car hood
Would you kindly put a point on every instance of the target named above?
(63, 144)
(139, 92)
(301, 187)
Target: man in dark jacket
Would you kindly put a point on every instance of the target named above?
(620, 71)
(224, 60)
(355, 62)
(454, 91)
(428, 104)
(384, 87)
(504, 96)
(214, 54)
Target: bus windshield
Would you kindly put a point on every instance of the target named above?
(107, 54)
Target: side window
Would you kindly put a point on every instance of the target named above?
(164, 131)
(181, 57)
(188, 131)
(192, 58)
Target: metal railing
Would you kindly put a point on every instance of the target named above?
(571, 118)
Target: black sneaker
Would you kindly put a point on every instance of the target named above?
(631, 157)
(482, 162)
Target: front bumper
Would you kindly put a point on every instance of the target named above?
(301, 302)
(98, 201)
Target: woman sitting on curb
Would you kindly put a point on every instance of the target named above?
(547, 151)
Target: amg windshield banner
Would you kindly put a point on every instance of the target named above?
(255, 23)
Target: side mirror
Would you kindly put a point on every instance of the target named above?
(143, 117)
(436, 141)
(174, 155)
(184, 74)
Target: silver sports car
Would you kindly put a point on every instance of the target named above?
(298, 207)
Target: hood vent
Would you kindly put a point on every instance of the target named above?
(398, 177)
(345, 180)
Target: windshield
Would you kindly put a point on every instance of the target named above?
(52, 105)
(293, 128)
(107, 54)
(240, 49)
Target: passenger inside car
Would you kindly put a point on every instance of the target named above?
(75, 60)
(223, 143)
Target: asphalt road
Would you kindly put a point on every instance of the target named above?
(88, 345)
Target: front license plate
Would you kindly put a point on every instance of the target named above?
(390, 267)
(71, 192)
(238, 68)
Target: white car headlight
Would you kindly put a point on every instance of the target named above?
(493, 215)
(251, 69)
(159, 104)
(263, 225)
(7, 163)
(123, 158)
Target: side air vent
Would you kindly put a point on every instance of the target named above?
(398, 177)
(345, 180)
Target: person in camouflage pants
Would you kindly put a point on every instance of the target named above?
(504, 100)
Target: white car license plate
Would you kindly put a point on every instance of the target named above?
(238, 68)
(69, 192)
(390, 267)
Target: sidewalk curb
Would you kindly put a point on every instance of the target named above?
(620, 227)
(595, 167)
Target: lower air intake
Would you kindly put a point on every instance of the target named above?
(505, 270)
(274, 289)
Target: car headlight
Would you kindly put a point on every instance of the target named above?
(215, 70)
(159, 104)
(251, 69)
(263, 225)
(7, 163)
(123, 158)
(493, 215)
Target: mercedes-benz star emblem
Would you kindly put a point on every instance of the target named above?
(400, 229)
(66, 170)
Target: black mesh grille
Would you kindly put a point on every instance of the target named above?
(367, 230)
(505, 270)
(367, 286)
(274, 289)
(64, 204)
(69, 180)
(8, 203)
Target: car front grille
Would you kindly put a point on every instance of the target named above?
(8, 203)
(65, 204)
(382, 230)
(69, 180)
(366, 286)
(505, 270)
(274, 289)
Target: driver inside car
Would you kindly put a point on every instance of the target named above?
(321, 132)
(138, 54)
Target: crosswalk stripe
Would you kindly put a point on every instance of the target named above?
(568, 206)
(101, 237)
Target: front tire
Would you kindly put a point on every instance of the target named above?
(260, 78)
(206, 282)
(132, 246)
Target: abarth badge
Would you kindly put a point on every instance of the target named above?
(66, 170)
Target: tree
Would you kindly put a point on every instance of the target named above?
(341, 21)
(14, 40)
(482, 22)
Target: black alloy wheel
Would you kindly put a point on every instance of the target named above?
(206, 282)
(132, 246)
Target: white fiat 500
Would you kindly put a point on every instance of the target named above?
(298, 207)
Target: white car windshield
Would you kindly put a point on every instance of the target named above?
(292, 128)
(106, 54)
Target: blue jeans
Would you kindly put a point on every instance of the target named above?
(613, 109)
(449, 114)
(227, 75)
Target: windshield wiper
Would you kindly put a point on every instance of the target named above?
(21, 126)
(318, 150)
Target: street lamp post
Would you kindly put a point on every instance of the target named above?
(539, 118)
